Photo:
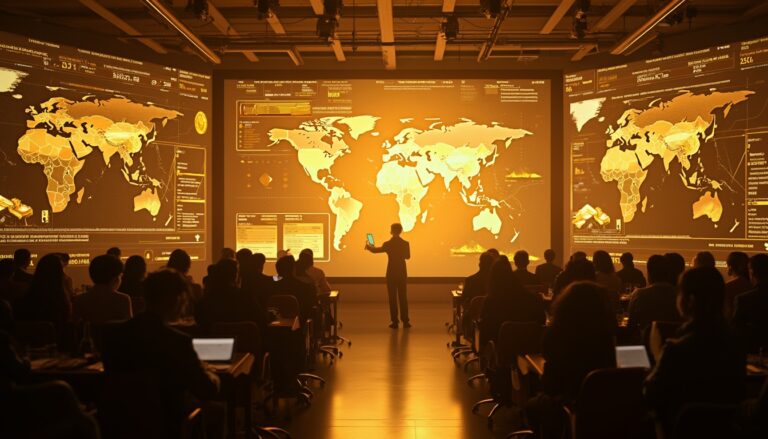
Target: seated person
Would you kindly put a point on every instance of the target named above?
(704, 364)
(306, 264)
(223, 301)
(738, 268)
(704, 259)
(180, 261)
(134, 272)
(507, 301)
(477, 284)
(10, 290)
(147, 346)
(290, 285)
(103, 303)
(676, 264)
(22, 259)
(578, 268)
(750, 315)
(548, 271)
(46, 299)
(522, 274)
(629, 274)
(656, 302)
(255, 283)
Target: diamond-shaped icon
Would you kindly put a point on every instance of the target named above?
(265, 179)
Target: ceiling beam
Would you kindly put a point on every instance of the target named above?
(121, 24)
(449, 6)
(159, 8)
(275, 24)
(493, 35)
(583, 51)
(556, 16)
(614, 14)
(641, 32)
(222, 24)
(338, 51)
(442, 41)
(387, 29)
(317, 6)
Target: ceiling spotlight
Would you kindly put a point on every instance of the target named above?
(491, 8)
(328, 23)
(266, 7)
(199, 8)
(450, 27)
(579, 28)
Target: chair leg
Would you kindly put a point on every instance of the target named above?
(273, 432)
(304, 377)
(471, 361)
(475, 377)
(481, 403)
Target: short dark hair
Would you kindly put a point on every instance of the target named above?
(163, 289)
(738, 262)
(704, 259)
(486, 260)
(758, 265)
(396, 228)
(104, 269)
(259, 259)
(308, 253)
(284, 266)
(242, 254)
(549, 255)
(180, 261)
(521, 259)
(603, 262)
(135, 268)
(22, 257)
(659, 270)
(114, 251)
(627, 259)
(707, 287)
(227, 253)
(225, 272)
(676, 264)
(578, 255)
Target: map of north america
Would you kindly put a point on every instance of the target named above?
(412, 160)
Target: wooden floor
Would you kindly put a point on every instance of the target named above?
(395, 383)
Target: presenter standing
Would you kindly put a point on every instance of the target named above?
(397, 250)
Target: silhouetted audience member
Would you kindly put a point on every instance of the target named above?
(22, 259)
(578, 268)
(224, 302)
(738, 269)
(103, 303)
(10, 290)
(750, 315)
(46, 299)
(676, 265)
(548, 271)
(69, 285)
(704, 259)
(228, 253)
(316, 275)
(148, 347)
(656, 302)
(522, 260)
(241, 256)
(507, 301)
(704, 364)
(115, 251)
(605, 275)
(629, 274)
(289, 284)
(134, 272)
(255, 283)
(477, 284)
(580, 340)
(180, 261)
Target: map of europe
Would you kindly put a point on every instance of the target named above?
(62, 133)
(668, 131)
(412, 161)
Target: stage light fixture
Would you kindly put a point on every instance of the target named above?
(328, 23)
(579, 28)
(450, 27)
(199, 8)
(266, 7)
(491, 8)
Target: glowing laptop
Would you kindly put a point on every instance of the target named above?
(214, 349)
(632, 356)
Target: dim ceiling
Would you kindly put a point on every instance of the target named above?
(239, 31)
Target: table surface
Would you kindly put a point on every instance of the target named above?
(240, 364)
(291, 323)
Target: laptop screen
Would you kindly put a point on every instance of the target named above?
(632, 356)
(214, 349)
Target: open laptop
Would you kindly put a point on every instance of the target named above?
(632, 356)
(214, 349)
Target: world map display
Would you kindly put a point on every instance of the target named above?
(411, 162)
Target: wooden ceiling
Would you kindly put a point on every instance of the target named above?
(379, 32)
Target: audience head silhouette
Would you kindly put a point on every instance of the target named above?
(285, 266)
(758, 268)
(702, 293)
(602, 262)
(227, 253)
(549, 255)
(578, 255)
(105, 270)
(309, 255)
(22, 258)
(493, 252)
(164, 291)
(396, 229)
(581, 269)
(180, 261)
(659, 270)
(502, 280)
(114, 251)
(243, 254)
(521, 259)
(303, 262)
(704, 259)
(676, 265)
(486, 261)
(64, 258)
(135, 268)
(738, 264)
(49, 275)
(224, 274)
(580, 312)
(627, 260)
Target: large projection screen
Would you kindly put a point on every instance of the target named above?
(98, 150)
(669, 154)
(462, 164)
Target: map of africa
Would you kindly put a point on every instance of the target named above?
(667, 131)
(412, 160)
(62, 134)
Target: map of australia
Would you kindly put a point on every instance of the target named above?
(666, 131)
(412, 160)
(62, 134)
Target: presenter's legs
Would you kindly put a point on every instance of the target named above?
(392, 293)
(402, 297)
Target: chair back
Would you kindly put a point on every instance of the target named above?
(130, 407)
(35, 333)
(476, 307)
(517, 338)
(287, 305)
(660, 333)
(610, 405)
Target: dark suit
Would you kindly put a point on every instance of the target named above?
(145, 345)
(631, 276)
(526, 277)
(547, 272)
(474, 286)
(750, 317)
(259, 286)
(703, 365)
(398, 251)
